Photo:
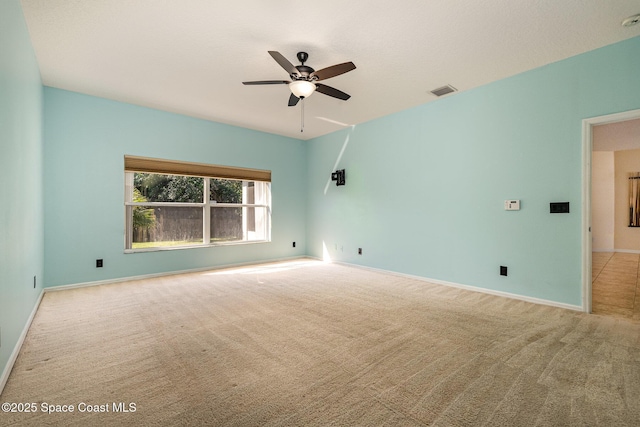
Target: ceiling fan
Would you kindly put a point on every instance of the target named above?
(304, 78)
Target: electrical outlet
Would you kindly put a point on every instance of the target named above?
(99, 263)
(503, 270)
(359, 251)
(294, 244)
(34, 282)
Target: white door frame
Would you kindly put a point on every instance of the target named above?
(587, 147)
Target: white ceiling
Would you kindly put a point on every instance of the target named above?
(190, 56)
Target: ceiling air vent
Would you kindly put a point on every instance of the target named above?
(444, 90)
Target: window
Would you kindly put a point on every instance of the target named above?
(194, 204)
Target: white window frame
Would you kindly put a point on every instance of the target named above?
(262, 191)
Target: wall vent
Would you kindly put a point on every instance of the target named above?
(444, 90)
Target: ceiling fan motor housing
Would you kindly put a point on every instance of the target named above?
(304, 71)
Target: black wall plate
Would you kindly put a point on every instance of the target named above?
(559, 207)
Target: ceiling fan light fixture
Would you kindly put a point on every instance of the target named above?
(302, 88)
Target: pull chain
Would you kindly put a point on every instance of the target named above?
(302, 116)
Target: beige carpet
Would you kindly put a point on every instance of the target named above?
(307, 343)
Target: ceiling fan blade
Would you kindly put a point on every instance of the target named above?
(284, 63)
(331, 91)
(334, 70)
(293, 100)
(267, 82)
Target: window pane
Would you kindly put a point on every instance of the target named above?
(225, 191)
(166, 226)
(256, 223)
(260, 193)
(168, 188)
(250, 193)
(238, 224)
(226, 224)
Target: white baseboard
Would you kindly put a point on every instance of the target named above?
(624, 251)
(471, 288)
(16, 349)
(168, 273)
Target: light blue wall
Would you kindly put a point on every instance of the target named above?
(21, 210)
(86, 139)
(426, 187)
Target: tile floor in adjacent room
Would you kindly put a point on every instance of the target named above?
(616, 285)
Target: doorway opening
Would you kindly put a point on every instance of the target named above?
(610, 248)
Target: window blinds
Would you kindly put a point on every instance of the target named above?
(174, 167)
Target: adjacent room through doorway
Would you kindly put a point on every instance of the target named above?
(615, 238)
